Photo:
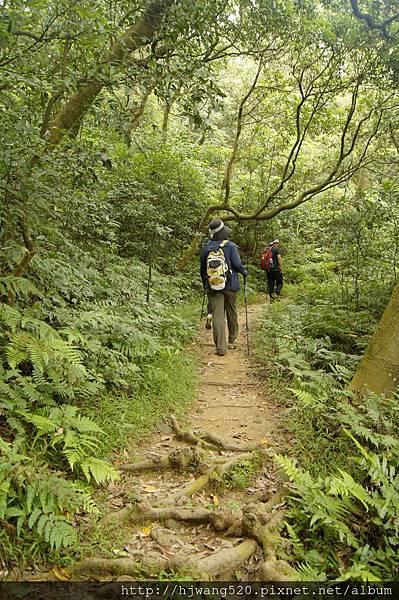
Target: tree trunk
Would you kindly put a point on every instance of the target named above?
(136, 112)
(71, 114)
(139, 34)
(166, 114)
(378, 370)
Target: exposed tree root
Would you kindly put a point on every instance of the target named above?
(99, 567)
(255, 521)
(214, 474)
(220, 519)
(277, 570)
(209, 440)
(207, 568)
(119, 517)
(188, 436)
(224, 560)
(196, 485)
(180, 458)
(222, 445)
(259, 524)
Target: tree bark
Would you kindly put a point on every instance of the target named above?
(139, 34)
(378, 370)
(225, 191)
(166, 114)
(71, 114)
(224, 560)
(136, 112)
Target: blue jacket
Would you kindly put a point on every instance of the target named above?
(233, 260)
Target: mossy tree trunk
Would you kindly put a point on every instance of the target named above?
(139, 34)
(378, 370)
(69, 117)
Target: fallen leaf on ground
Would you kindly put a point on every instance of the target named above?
(145, 531)
(215, 500)
(150, 488)
(61, 574)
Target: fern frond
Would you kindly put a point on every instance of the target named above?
(306, 398)
(10, 317)
(346, 486)
(99, 470)
(18, 286)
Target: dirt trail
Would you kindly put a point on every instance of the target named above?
(231, 397)
(217, 517)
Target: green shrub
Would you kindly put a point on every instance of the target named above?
(343, 520)
(85, 350)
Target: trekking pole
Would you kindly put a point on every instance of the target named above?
(203, 304)
(246, 313)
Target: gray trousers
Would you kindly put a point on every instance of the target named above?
(223, 302)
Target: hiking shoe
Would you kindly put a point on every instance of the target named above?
(231, 346)
(208, 322)
(219, 353)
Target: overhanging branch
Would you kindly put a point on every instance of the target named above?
(371, 24)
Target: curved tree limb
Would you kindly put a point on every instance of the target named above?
(336, 175)
(233, 157)
(139, 34)
(315, 93)
(371, 24)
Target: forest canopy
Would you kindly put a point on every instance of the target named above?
(126, 126)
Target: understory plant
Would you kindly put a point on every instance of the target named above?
(344, 523)
(80, 369)
(343, 516)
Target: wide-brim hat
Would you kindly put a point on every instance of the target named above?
(218, 230)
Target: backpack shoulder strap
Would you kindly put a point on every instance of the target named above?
(222, 245)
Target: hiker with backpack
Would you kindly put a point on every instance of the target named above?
(271, 263)
(220, 264)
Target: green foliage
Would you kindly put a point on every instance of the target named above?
(349, 522)
(159, 201)
(342, 521)
(242, 473)
(35, 499)
(82, 352)
(17, 286)
(114, 205)
(39, 371)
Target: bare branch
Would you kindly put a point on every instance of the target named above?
(320, 101)
(233, 157)
(371, 24)
(54, 36)
(333, 179)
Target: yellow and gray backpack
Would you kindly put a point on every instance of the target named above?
(217, 269)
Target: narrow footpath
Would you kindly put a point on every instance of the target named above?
(202, 498)
(231, 396)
